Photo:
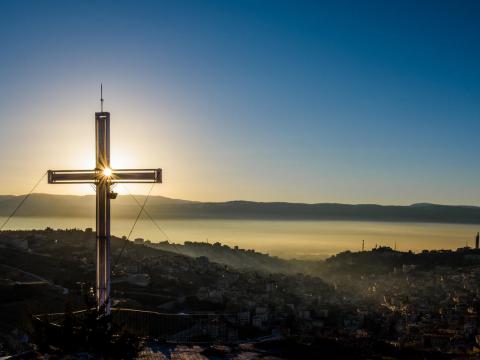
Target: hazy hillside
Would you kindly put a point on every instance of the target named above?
(233, 257)
(162, 207)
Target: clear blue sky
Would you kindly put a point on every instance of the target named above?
(354, 102)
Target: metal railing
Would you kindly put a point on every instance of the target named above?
(176, 328)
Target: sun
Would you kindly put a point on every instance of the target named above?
(107, 172)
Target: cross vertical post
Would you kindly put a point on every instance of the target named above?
(102, 137)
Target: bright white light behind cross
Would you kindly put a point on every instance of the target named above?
(107, 172)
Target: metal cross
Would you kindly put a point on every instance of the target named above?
(103, 176)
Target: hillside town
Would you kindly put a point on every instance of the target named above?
(381, 301)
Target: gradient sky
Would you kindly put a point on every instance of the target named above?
(357, 102)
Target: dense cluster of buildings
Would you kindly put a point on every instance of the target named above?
(414, 305)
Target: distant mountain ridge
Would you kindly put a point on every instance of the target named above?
(162, 207)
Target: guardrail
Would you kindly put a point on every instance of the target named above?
(176, 328)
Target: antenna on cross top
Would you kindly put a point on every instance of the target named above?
(101, 97)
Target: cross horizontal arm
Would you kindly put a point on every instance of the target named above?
(95, 176)
(136, 176)
(72, 176)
